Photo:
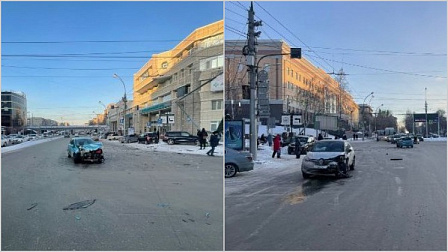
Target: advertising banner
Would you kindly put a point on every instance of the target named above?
(234, 134)
(422, 117)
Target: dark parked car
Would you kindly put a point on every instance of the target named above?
(148, 137)
(236, 161)
(177, 137)
(306, 144)
(420, 137)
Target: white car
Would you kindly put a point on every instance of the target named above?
(5, 141)
(329, 157)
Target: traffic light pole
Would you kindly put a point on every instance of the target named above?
(251, 58)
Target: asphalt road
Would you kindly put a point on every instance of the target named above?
(145, 200)
(385, 205)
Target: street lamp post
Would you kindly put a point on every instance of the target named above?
(107, 116)
(124, 101)
(376, 115)
(363, 121)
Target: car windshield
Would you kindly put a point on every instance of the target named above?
(84, 141)
(303, 139)
(330, 146)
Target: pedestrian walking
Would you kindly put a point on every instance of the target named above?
(199, 134)
(277, 146)
(269, 138)
(204, 136)
(214, 140)
(297, 150)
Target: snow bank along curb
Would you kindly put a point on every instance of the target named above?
(27, 144)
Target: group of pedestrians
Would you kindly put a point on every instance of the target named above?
(214, 140)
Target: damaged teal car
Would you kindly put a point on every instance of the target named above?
(85, 149)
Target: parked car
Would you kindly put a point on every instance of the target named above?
(5, 141)
(113, 136)
(148, 137)
(329, 157)
(394, 138)
(236, 161)
(177, 137)
(420, 137)
(85, 149)
(306, 142)
(129, 139)
(405, 142)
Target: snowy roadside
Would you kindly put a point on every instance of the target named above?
(177, 148)
(27, 144)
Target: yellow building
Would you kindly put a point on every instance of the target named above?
(182, 89)
(295, 85)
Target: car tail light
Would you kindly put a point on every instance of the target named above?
(99, 151)
(250, 158)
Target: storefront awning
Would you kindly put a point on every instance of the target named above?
(156, 107)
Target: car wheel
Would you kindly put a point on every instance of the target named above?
(305, 175)
(289, 152)
(129, 140)
(68, 155)
(230, 170)
(170, 141)
(77, 158)
(352, 167)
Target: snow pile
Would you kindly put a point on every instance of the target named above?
(177, 148)
(27, 144)
(439, 139)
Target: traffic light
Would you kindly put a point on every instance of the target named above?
(296, 53)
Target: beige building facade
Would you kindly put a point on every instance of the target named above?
(182, 89)
(295, 85)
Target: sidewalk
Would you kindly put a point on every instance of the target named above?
(176, 148)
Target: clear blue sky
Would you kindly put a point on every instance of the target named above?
(408, 37)
(61, 88)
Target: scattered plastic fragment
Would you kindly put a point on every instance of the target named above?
(396, 159)
(32, 206)
(77, 217)
(78, 205)
(163, 205)
(207, 215)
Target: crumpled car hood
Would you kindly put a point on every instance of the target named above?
(92, 147)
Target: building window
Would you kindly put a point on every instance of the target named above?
(212, 62)
(214, 125)
(217, 105)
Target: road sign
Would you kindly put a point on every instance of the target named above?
(159, 121)
(171, 119)
(148, 124)
(262, 76)
(296, 120)
(286, 120)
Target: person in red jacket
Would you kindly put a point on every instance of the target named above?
(277, 146)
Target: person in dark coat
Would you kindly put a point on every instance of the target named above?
(214, 141)
(277, 146)
(199, 134)
(297, 147)
(320, 137)
(203, 138)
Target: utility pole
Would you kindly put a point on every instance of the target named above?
(250, 52)
(426, 115)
